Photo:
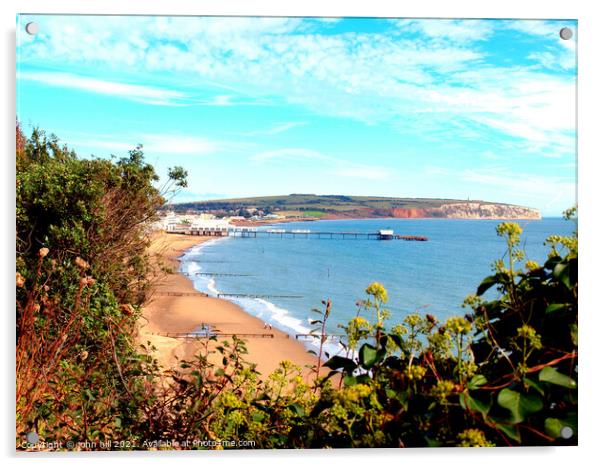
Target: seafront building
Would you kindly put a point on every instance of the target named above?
(201, 224)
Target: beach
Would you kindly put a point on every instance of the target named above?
(186, 313)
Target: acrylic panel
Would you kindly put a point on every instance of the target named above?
(286, 232)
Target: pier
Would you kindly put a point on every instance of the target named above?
(251, 232)
(292, 234)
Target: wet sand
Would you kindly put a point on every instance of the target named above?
(183, 314)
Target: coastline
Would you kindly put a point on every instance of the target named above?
(183, 314)
(326, 218)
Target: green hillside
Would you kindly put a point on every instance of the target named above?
(319, 204)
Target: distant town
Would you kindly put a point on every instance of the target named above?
(208, 224)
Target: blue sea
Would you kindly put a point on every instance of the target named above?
(428, 277)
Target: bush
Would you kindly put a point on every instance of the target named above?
(503, 374)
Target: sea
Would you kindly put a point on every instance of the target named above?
(294, 276)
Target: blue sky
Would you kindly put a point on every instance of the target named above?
(479, 109)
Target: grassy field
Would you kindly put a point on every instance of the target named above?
(316, 206)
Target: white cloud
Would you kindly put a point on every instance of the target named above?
(136, 92)
(289, 153)
(159, 144)
(418, 82)
(525, 186)
(332, 165)
(178, 144)
(277, 129)
(535, 27)
(221, 101)
(450, 29)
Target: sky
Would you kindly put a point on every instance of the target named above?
(462, 109)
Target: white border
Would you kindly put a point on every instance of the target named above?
(589, 191)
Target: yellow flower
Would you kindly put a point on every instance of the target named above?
(473, 438)
(458, 325)
(378, 291)
(359, 322)
(356, 392)
(513, 230)
(531, 265)
(412, 320)
(529, 333)
(443, 389)
(415, 372)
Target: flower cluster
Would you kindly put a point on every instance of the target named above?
(443, 389)
(415, 372)
(528, 333)
(473, 438)
(378, 291)
(458, 325)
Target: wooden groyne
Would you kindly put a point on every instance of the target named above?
(318, 336)
(195, 335)
(191, 294)
(262, 296)
(218, 274)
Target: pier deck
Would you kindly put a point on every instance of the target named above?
(251, 232)
(291, 234)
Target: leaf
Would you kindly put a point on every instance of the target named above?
(472, 404)
(556, 307)
(519, 404)
(510, 430)
(487, 283)
(397, 340)
(477, 381)
(368, 355)
(553, 426)
(574, 333)
(339, 362)
(349, 380)
(551, 375)
(297, 409)
(533, 384)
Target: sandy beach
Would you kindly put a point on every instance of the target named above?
(179, 314)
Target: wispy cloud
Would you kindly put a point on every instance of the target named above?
(527, 186)
(394, 76)
(178, 144)
(159, 144)
(277, 129)
(450, 29)
(289, 154)
(135, 92)
(332, 165)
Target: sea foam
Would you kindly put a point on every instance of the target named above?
(192, 262)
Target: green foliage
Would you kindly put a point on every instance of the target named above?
(503, 374)
(81, 274)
